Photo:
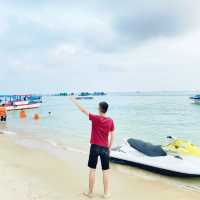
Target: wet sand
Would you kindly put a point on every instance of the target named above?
(35, 174)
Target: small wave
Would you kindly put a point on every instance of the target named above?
(195, 188)
(136, 172)
(68, 148)
(8, 132)
(52, 143)
(76, 150)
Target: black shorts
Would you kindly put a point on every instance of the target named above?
(3, 118)
(95, 152)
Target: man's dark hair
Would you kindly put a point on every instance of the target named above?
(103, 106)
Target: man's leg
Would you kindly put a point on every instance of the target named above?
(92, 174)
(92, 163)
(106, 177)
(106, 172)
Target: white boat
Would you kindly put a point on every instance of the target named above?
(153, 158)
(20, 102)
(196, 99)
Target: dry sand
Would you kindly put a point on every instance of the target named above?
(32, 174)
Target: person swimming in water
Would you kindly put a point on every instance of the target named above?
(36, 116)
(22, 114)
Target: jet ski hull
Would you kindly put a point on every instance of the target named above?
(149, 157)
(153, 169)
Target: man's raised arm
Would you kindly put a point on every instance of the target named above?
(79, 106)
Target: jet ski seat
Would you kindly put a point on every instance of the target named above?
(147, 148)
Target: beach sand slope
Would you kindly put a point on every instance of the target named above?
(32, 174)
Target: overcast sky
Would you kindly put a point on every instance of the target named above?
(50, 46)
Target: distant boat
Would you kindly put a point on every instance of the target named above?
(84, 97)
(196, 99)
(84, 94)
(19, 102)
(99, 94)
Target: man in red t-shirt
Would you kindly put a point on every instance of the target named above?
(102, 129)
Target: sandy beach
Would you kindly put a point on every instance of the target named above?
(35, 174)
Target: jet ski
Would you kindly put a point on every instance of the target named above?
(154, 158)
(181, 147)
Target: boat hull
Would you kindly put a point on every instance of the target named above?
(196, 101)
(169, 164)
(23, 107)
(153, 169)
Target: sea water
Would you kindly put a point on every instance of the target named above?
(150, 116)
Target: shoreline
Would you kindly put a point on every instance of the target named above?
(32, 173)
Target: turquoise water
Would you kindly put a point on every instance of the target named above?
(149, 116)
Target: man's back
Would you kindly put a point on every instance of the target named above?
(101, 127)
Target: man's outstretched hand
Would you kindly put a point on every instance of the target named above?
(71, 98)
(78, 105)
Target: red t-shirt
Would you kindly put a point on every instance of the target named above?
(101, 127)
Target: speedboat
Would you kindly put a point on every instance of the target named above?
(196, 99)
(154, 158)
(19, 102)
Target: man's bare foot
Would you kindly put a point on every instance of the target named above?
(87, 194)
(106, 196)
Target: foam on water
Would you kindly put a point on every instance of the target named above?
(190, 187)
(7, 132)
(77, 150)
(64, 147)
(51, 142)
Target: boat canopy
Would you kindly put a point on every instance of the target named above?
(196, 96)
(13, 98)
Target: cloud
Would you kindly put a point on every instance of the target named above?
(157, 19)
(128, 43)
(100, 26)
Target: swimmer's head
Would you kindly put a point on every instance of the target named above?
(22, 114)
(36, 116)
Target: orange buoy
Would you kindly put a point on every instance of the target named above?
(36, 116)
(22, 114)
